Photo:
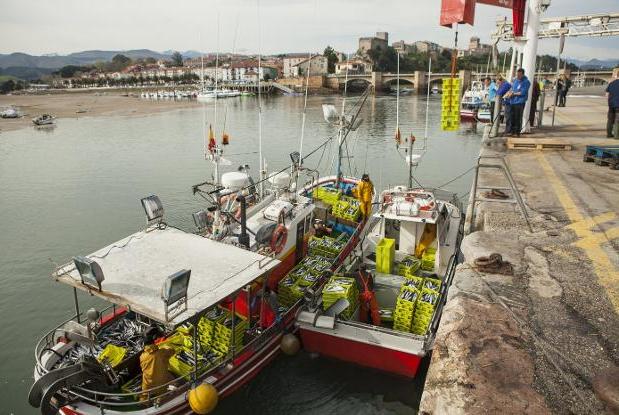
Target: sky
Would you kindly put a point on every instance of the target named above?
(247, 26)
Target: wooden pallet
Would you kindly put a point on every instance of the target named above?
(537, 144)
(602, 156)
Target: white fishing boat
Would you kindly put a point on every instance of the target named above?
(9, 113)
(44, 119)
(472, 100)
(405, 292)
(436, 90)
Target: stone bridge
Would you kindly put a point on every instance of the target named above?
(418, 80)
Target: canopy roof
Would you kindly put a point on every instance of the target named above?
(136, 268)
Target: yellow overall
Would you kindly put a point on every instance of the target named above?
(364, 192)
(154, 364)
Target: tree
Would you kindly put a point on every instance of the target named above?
(332, 59)
(7, 86)
(177, 59)
(384, 60)
(120, 62)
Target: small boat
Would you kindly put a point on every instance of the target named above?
(9, 113)
(45, 119)
(247, 94)
(483, 114)
(436, 90)
(472, 100)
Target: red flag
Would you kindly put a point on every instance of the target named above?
(398, 137)
(457, 11)
(211, 139)
(225, 139)
(518, 16)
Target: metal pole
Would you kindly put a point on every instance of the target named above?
(509, 76)
(554, 107)
(529, 57)
(233, 318)
(77, 305)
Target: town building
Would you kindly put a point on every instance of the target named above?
(475, 48)
(247, 71)
(378, 42)
(402, 47)
(316, 65)
(355, 66)
(290, 61)
(425, 46)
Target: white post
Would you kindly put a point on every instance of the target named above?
(510, 74)
(530, 56)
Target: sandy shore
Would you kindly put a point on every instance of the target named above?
(73, 105)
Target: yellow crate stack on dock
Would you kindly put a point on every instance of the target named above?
(450, 104)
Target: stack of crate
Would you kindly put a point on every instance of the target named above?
(408, 266)
(325, 247)
(347, 208)
(450, 104)
(327, 194)
(427, 259)
(424, 310)
(341, 287)
(223, 333)
(405, 308)
(206, 326)
(385, 255)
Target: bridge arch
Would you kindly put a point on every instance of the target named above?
(355, 84)
(392, 83)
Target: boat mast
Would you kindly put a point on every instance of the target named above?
(261, 164)
(217, 60)
(340, 135)
(397, 98)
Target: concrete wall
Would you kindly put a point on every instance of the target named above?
(318, 81)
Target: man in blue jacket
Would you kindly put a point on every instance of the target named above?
(502, 90)
(519, 95)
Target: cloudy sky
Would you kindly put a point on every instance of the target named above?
(65, 26)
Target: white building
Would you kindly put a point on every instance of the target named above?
(354, 67)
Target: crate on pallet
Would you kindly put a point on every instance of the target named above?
(602, 156)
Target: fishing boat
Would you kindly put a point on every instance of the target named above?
(472, 100)
(382, 308)
(9, 113)
(408, 292)
(209, 291)
(45, 119)
(436, 90)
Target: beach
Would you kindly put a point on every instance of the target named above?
(82, 104)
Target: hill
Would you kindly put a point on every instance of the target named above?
(53, 61)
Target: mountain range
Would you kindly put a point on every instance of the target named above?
(594, 63)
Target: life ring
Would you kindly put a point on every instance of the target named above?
(429, 206)
(278, 239)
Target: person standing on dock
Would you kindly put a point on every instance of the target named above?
(491, 88)
(564, 87)
(612, 93)
(502, 90)
(519, 95)
(534, 98)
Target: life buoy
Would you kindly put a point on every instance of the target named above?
(278, 240)
(429, 206)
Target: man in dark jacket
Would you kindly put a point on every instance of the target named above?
(519, 96)
(612, 93)
(564, 87)
(534, 98)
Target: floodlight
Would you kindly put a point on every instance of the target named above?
(200, 219)
(90, 271)
(175, 286)
(330, 113)
(153, 208)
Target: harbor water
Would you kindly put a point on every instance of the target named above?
(74, 188)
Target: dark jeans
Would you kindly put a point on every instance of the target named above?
(508, 118)
(516, 111)
(613, 117)
(491, 112)
(562, 98)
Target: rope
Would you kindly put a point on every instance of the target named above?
(456, 178)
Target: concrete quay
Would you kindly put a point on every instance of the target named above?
(546, 338)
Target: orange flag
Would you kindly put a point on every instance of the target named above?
(398, 137)
(225, 139)
(211, 139)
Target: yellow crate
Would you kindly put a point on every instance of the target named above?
(385, 255)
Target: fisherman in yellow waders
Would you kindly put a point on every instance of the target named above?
(154, 364)
(363, 192)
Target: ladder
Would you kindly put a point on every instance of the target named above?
(493, 162)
